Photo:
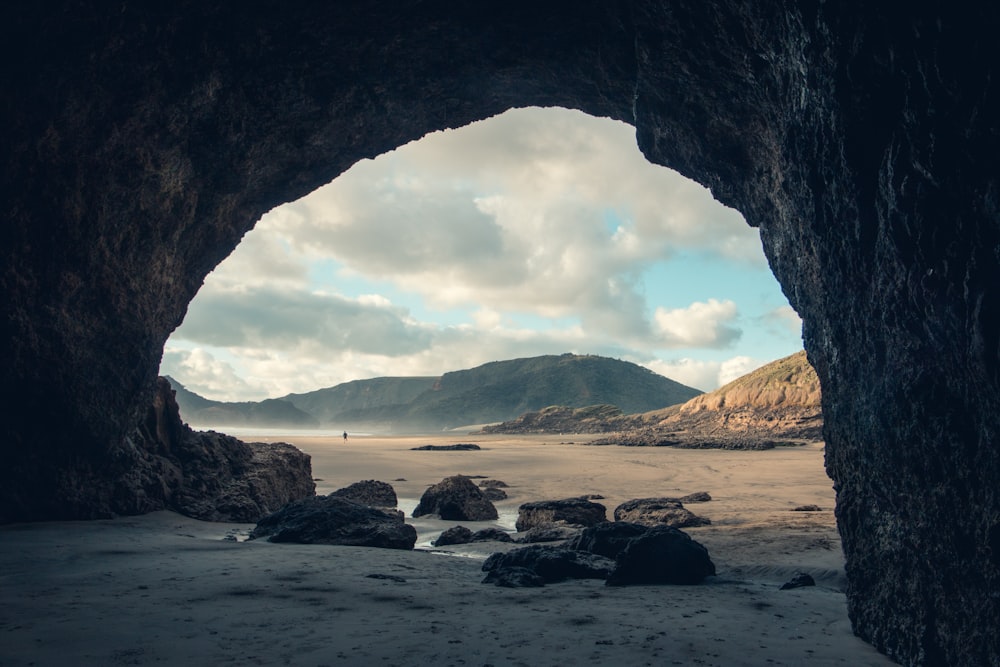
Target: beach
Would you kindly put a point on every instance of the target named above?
(162, 588)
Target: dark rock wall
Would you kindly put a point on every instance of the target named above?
(140, 144)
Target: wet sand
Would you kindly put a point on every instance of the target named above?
(166, 589)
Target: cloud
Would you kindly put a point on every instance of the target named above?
(199, 371)
(264, 318)
(699, 325)
(531, 233)
(705, 375)
(549, 212)
(783, 320)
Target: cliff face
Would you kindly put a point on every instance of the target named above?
(780, 401)
(140, 144)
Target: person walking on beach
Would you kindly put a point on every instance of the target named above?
(345, 436)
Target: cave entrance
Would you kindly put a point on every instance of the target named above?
(538, 231)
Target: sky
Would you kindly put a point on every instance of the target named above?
(539, 231)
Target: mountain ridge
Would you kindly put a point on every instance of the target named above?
(491, 392)
(779, 403)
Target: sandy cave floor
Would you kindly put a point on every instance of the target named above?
(166, 589)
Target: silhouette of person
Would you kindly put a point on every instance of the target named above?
(345, 436)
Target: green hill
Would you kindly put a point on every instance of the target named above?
(493, 392)
(330, 404)
(502, 390)
(270, 413)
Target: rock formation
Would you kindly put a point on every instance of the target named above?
(369, 492)
(205, 475)
(777, 404)
(574, 511)
(606, 539)
(456, 499)
(658, 512)
(140, 144)
(552, 564)
(332, 520)
(462, 535)
(661, 555)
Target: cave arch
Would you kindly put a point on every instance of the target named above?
(142, 144)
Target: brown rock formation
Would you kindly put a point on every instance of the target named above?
(141, 143)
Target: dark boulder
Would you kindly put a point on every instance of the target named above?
(800, 580)
(807, 508)
(492, 493)
(552, 564)
(606, 539)
(456, 499)
(696, 497)
(369, 492)
(548, 532)
(514, 577)
(658, 512)
(493, 484)
(661, 555)
(332, 520)
(212, 476)
(491, 535)
(576, 511)
(461, 447)
(454, 535)
(462, 535)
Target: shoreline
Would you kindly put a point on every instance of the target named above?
(165, 588)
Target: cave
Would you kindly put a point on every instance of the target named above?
(142, 142)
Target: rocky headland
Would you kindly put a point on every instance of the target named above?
(778, 404)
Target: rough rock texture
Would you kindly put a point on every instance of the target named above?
(606, 539)
(800, 580)
(453, 535)
(661, 555)
(574, 511)
(491, 535)
(462, 535)
(514, 577)
(552, 564)
(456, 499)
(208, 475)
(548, 532)
(140, 143)
(493, 494)
(658, 512)
(332, 520)
(460, 447)
(369, 492)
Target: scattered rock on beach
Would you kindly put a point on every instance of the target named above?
(460, 447)
(491, 535)
(658, 512)
(456, 499)
(661, 555)
(332, 520)
(462, 535)
(577, 511)
(606, 539)
(552, 564)
(798, 581)
(696, 497)
(514, 577)
(494, 484)
(369, 492)
(454, 535)
(548, 532)
(807, 508)
(492, 493)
